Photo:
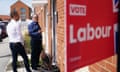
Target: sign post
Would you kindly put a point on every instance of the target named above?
(89, 32)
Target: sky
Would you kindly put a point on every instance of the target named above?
(5, 5)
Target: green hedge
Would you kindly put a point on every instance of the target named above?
(27, 43)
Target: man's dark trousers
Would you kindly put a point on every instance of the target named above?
(0, 38)
(36, 47)
(18, 48)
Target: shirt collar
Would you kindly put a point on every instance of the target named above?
(13, 21)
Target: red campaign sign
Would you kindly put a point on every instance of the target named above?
(90, 31)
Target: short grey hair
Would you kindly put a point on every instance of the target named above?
(35, 16)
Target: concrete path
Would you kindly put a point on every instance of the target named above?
(5, 55)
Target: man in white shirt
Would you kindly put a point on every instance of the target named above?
(16, 41)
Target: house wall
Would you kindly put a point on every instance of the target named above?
(106, 65)
(41, 12)
(59, 28)
(60, 35)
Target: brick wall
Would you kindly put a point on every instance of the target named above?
(40, 11)
(4, 17)
(60, 34)
(60, 30)
(106, 65)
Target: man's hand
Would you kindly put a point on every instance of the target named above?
(40, 31)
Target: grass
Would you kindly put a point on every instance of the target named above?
(27, 44)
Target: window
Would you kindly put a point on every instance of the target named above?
(23, 10)
(23, 14)
(14, 9)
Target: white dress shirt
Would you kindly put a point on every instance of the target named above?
(14, 32)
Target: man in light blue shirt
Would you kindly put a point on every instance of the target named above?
(35, 33)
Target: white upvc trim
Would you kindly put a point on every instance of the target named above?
(39, 2)
(84, 69)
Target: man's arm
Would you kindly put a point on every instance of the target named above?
(19, 32)
(32, 32)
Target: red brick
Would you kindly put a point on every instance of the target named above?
(115, 60)
(102, 63)
(92, 69)
(106, 65)
(110, 59)
(110, 67)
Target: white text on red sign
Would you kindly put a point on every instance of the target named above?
(77, 10)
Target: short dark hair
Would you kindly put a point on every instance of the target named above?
(14, 13)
